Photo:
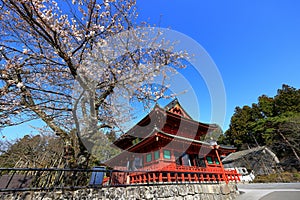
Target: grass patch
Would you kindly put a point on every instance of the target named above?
(284, 177)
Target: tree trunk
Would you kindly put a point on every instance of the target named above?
(75, 153)
(290, 145)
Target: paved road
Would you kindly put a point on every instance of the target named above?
(271, 191)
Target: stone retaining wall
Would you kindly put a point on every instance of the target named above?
(169, 192)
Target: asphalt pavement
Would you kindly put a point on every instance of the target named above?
(269, 191)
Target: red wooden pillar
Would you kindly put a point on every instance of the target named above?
(207, 177)
(237, 174)
(161, 154)
(154, 178)
(144, 178)
(201, 177)
(160, 178)
(169, 177)
(182, 177)
(218, 177)
(196, 177)
(149, 177)
(189, 176)
(222, 167)
(176, 177)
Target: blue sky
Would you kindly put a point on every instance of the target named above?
(255, 44)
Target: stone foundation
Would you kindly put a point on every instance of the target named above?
(169, 192)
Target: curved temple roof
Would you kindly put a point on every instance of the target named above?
(172, 115)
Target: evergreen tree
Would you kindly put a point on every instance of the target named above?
(273, 121)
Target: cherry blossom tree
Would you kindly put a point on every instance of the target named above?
(50, 47)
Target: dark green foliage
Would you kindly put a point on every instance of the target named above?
(273, 121)
(33, 151)
(103, 148)
(49, 151)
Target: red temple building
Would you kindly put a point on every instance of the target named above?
(168, 146)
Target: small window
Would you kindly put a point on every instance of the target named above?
(137, 140)
(167, 154)
(186, 160)
(209, 160)
(156, 155)
(138, 162)
(200, 162)
(149, 157)
(217, 161)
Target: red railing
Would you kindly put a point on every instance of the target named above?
(232, 175)
(183, 174)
